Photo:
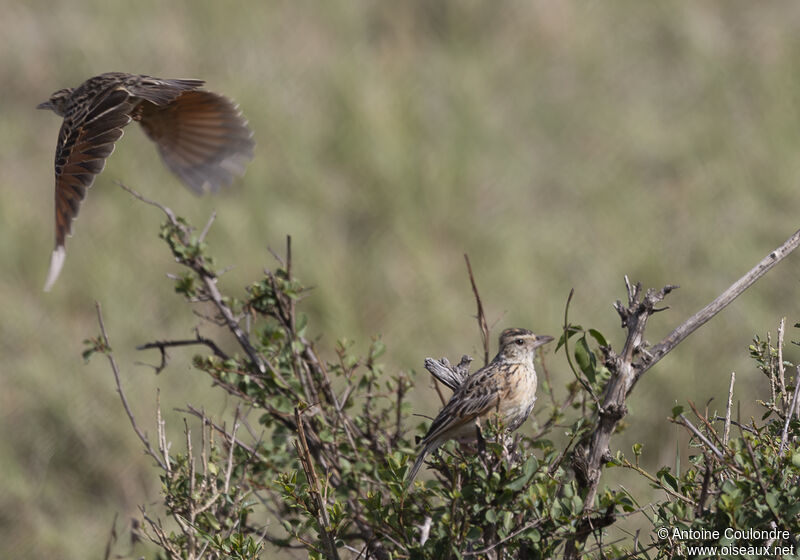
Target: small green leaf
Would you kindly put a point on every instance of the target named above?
(585, 359)
(772, 499)
(568, 333)
(670, 480)
(598, 336)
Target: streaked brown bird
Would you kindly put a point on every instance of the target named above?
(202, 137)
(506, 388)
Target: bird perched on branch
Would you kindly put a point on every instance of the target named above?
(505, 388)
(201, 136)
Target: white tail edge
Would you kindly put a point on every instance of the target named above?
(56, 262)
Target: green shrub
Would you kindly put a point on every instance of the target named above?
(316, 455)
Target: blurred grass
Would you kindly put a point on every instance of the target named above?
(560, 145)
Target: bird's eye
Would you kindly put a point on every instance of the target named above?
(519, 342)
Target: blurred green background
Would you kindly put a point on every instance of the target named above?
(560, 144)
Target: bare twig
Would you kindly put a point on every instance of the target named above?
(735, 290)
(307, 463)
(705, 421)
(737, 424)
(792, 406)
(484, 328)
(253, 451)
(170, 214)
(163, 444)
(206, 229)
(771, 369)
(727, 430)
(142, 436)
(627, 464)
(211, 285)
(701, 437)
(162, 346)
(191, 501)
(781, 376)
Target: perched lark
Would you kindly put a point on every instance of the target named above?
(201, 136)
(505, 388)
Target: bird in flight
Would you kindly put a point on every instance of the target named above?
(201, 136)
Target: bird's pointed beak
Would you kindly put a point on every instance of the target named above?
(46, 105)
(542, 339)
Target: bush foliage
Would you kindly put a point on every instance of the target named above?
(315, 457)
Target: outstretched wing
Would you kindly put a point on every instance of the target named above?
(84, 143)
(202, 138)
(159, 91)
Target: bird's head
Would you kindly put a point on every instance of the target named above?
(57, 101)
(517, 345)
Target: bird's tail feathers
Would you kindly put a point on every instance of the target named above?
(56, 263)
(412, 474)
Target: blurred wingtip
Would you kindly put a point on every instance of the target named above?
(56, 262)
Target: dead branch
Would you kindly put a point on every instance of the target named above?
(725, 298)
(162, 346)
(450, 375)
(482, 325)
(629, 365)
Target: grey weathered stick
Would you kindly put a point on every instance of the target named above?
(452, 376)
(628, 366)
(704, 315)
